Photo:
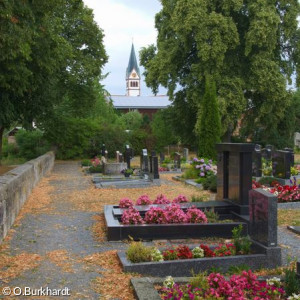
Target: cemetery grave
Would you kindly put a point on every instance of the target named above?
(255, 211)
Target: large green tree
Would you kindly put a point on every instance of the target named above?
(52, 58)
(250, 48)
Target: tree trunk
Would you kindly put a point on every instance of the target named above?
(1, 139)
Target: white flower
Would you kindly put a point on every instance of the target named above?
(273, 281)
(294, 297)
(169, 282)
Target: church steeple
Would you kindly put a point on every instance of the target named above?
(133, 76)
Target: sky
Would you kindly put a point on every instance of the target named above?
(124, 22)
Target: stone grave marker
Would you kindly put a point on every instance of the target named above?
(281, 164)
(177, 160)
(144, 161)
(256, 164)
(103, 149)
(234, 177)
(121, 159)
(117, 156)
(155, 167)
(292, 153)
(186, 154)
(128, 155)
(162, 157)
(263, 217)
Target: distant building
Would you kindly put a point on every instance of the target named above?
(146, 105)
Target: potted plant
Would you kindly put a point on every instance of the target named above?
(127, 172)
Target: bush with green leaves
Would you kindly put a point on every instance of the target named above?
(242, 243)
(210, 183)
(31, 143)
(138, 252)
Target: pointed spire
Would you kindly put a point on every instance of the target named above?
(132, 64)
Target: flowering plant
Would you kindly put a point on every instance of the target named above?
(225, 250)
(170, 254)
(198, 252)
(195, 215)
(128, 171)
(215, 286)
(175, 214)
(131, 216)
(184, 252)
(180, 199)
(168, 282)
(155, 215)
(143, 200)
(125, 203)
(161, 199)
(156, 255)
(204, 166)
(95, 161)
(207, 251)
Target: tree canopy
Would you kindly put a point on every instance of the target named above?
(249, 48)
(52, 55)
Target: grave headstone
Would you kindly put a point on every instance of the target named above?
(266, 153)
(117, 156)
(186, 154)
(121, 159)
(257, 164)
(103, 149)
(292, 153)
(150, 164)
(234, 177)
(106, 154)
(177, 160)
(162, 157)
(144, 161)
(153, 153)
(155, 167)
(263, 217)
(281, 164)
(128, 155)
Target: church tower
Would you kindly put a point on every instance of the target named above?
(133, 77)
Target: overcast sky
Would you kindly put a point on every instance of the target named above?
(123, 21)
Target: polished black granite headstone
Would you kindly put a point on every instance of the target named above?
(155, 167)
(281, 164)
(103, 149)
(257, 164)
(234, 177)
(263, 217)
(144, 161)
(292, 154)
(128, 155)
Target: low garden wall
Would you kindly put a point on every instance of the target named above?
(16, 186)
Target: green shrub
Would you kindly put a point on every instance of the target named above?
(238, 269)
(266, 180)
(138, 252)
(212, 216)
(292, 282)
(96, 169)
(190, 173)
(31, 144)
(86, 163)
(210, 183)
(199, 198)
(242, 243)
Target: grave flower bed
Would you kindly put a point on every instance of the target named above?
(284, 193)
(216, 286)
(171, 214)
(145, 200)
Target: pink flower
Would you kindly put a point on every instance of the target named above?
(125, 203)
(195, 215)
(131, 216)
(161, 199)
(143, 200)
(180, 199)
(155, 215)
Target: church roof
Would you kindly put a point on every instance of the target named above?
(132, 64)
(138, 102)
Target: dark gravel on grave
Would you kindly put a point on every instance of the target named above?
(70, 230)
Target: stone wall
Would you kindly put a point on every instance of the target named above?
(16, 186)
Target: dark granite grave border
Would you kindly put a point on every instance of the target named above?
(116, 231)
(289, 205)
(263, 257)
(295, 229)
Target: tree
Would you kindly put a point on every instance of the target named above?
(54, 54)
(163, 130)
(249, 48)
(208, 126)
